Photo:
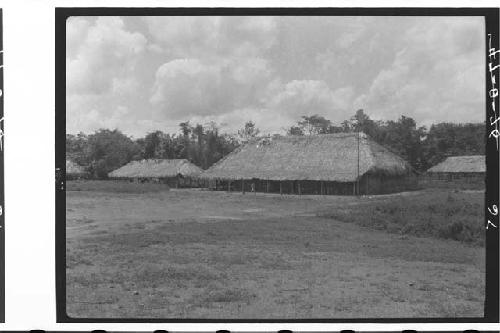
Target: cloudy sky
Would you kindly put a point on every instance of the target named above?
(140, 74)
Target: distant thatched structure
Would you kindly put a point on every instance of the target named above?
(74, 171)
(470, 168)
(461, 164)
(175, 172)
(345, 163)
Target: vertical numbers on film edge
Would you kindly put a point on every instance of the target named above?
(493, 91)
(494, 118)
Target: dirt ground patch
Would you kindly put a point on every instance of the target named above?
(201, 254)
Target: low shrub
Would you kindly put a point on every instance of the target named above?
(438, 213)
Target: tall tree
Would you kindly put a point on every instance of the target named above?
(108, 150)
(361, 122)
(405, 138)
(248, 132)
(314, 124)
(75, 148)
(152, 144)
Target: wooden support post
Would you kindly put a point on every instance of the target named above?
(322, 188)
(281, 188)
(177, 182)
(354, 188)
(300, 190)
(293, 190)
(229, 186)
(243, 186)
(267, 186)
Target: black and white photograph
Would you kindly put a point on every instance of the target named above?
(274, 167)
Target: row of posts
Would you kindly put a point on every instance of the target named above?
(299, 188)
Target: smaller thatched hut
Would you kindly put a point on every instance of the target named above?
(74, 171)
(174, 172)
(471, 168)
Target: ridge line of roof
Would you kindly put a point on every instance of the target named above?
(306, 137)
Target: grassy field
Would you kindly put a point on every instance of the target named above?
(457, 215)
(201, 254)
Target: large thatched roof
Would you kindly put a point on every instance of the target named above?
(74, 169)
(474, 163)
(329, 157)
(156, 168)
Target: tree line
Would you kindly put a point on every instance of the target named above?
(106, 150)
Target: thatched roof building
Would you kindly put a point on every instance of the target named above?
(321, 158)
(156, 168)
(461, 164)
(74, 170)
(328, 157)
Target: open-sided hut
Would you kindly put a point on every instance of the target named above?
(174, 172)
(74, 171)
(346, 163)
(471, 168)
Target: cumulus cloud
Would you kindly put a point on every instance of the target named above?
(88, 113)
(143, 74)
(99, 54)
(101, 59)
(437, 75)
(191, 87)
(190, 36)
(308, 97)
(76, 31)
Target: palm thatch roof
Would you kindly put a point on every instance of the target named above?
(474, 163)
(74, 169)
(156, 168)
(328, 157)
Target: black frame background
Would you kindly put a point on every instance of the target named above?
(491, 16)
